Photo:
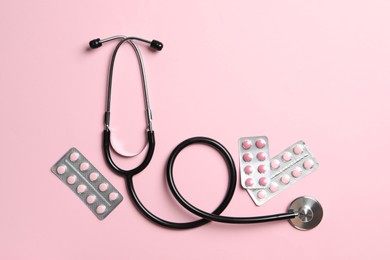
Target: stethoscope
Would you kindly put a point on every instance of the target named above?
(304, 213)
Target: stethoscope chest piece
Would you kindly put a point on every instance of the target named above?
(310, 213)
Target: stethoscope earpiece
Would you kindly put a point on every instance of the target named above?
(95, 43)
(156, 45)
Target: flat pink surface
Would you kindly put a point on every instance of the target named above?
(317, 71)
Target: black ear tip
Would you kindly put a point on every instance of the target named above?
(95, 43)
(156, 45)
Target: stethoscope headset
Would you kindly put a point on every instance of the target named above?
(304, 213)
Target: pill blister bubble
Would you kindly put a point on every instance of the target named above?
(287, 156)
(81, 188)
(246, 144)
(308, 164)
(296, 172)
(247, 157)
(84, 166)
(275, 163)
(100, 209)
(93, 176)
(74, 156)
(261, 194)
(263, 181)
(248, 169)
(61, 169)
(274, 187)
(71, 179)
(249, 182)
(113, 196)
(285, 179)
(91, 199)
(103, 186)
(298, 149)
(261, 156)
(262, 168)
(260, 143)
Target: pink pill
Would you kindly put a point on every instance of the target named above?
(113, 196)
(246, 144)
(263, 181)
(298, 149)
(296, 172)
(261, 168)
(71, 179)
(103, 186)
(248, 169)
(287, 156)
(100, 209)
(261, 194)
(81, 188)
(93, 176)
(261, 156)
(285, 179)
(249, 182)
(275, 164)
(260, 143)
(274, 187)
(91, 199)
(74, 156)
(308, 164)
(84, 166)
(61, 169)
(247, 157)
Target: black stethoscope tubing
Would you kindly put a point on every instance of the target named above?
(129, 174)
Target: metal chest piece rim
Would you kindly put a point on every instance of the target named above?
(309, 210)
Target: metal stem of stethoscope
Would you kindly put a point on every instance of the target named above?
(149, 130)
(142, 70)
(304, 212)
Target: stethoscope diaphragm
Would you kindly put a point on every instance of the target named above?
(309, 213)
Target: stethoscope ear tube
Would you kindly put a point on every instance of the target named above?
(138, 169)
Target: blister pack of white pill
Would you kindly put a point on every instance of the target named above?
(254, 162)
(75, 171)
(287, 168)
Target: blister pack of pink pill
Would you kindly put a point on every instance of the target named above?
(75, 171)
(282, 171)
(254, 162)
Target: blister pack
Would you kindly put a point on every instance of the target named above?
(254, 162)
(287, 168)
(76, 172)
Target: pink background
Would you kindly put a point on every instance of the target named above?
(291, 70)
